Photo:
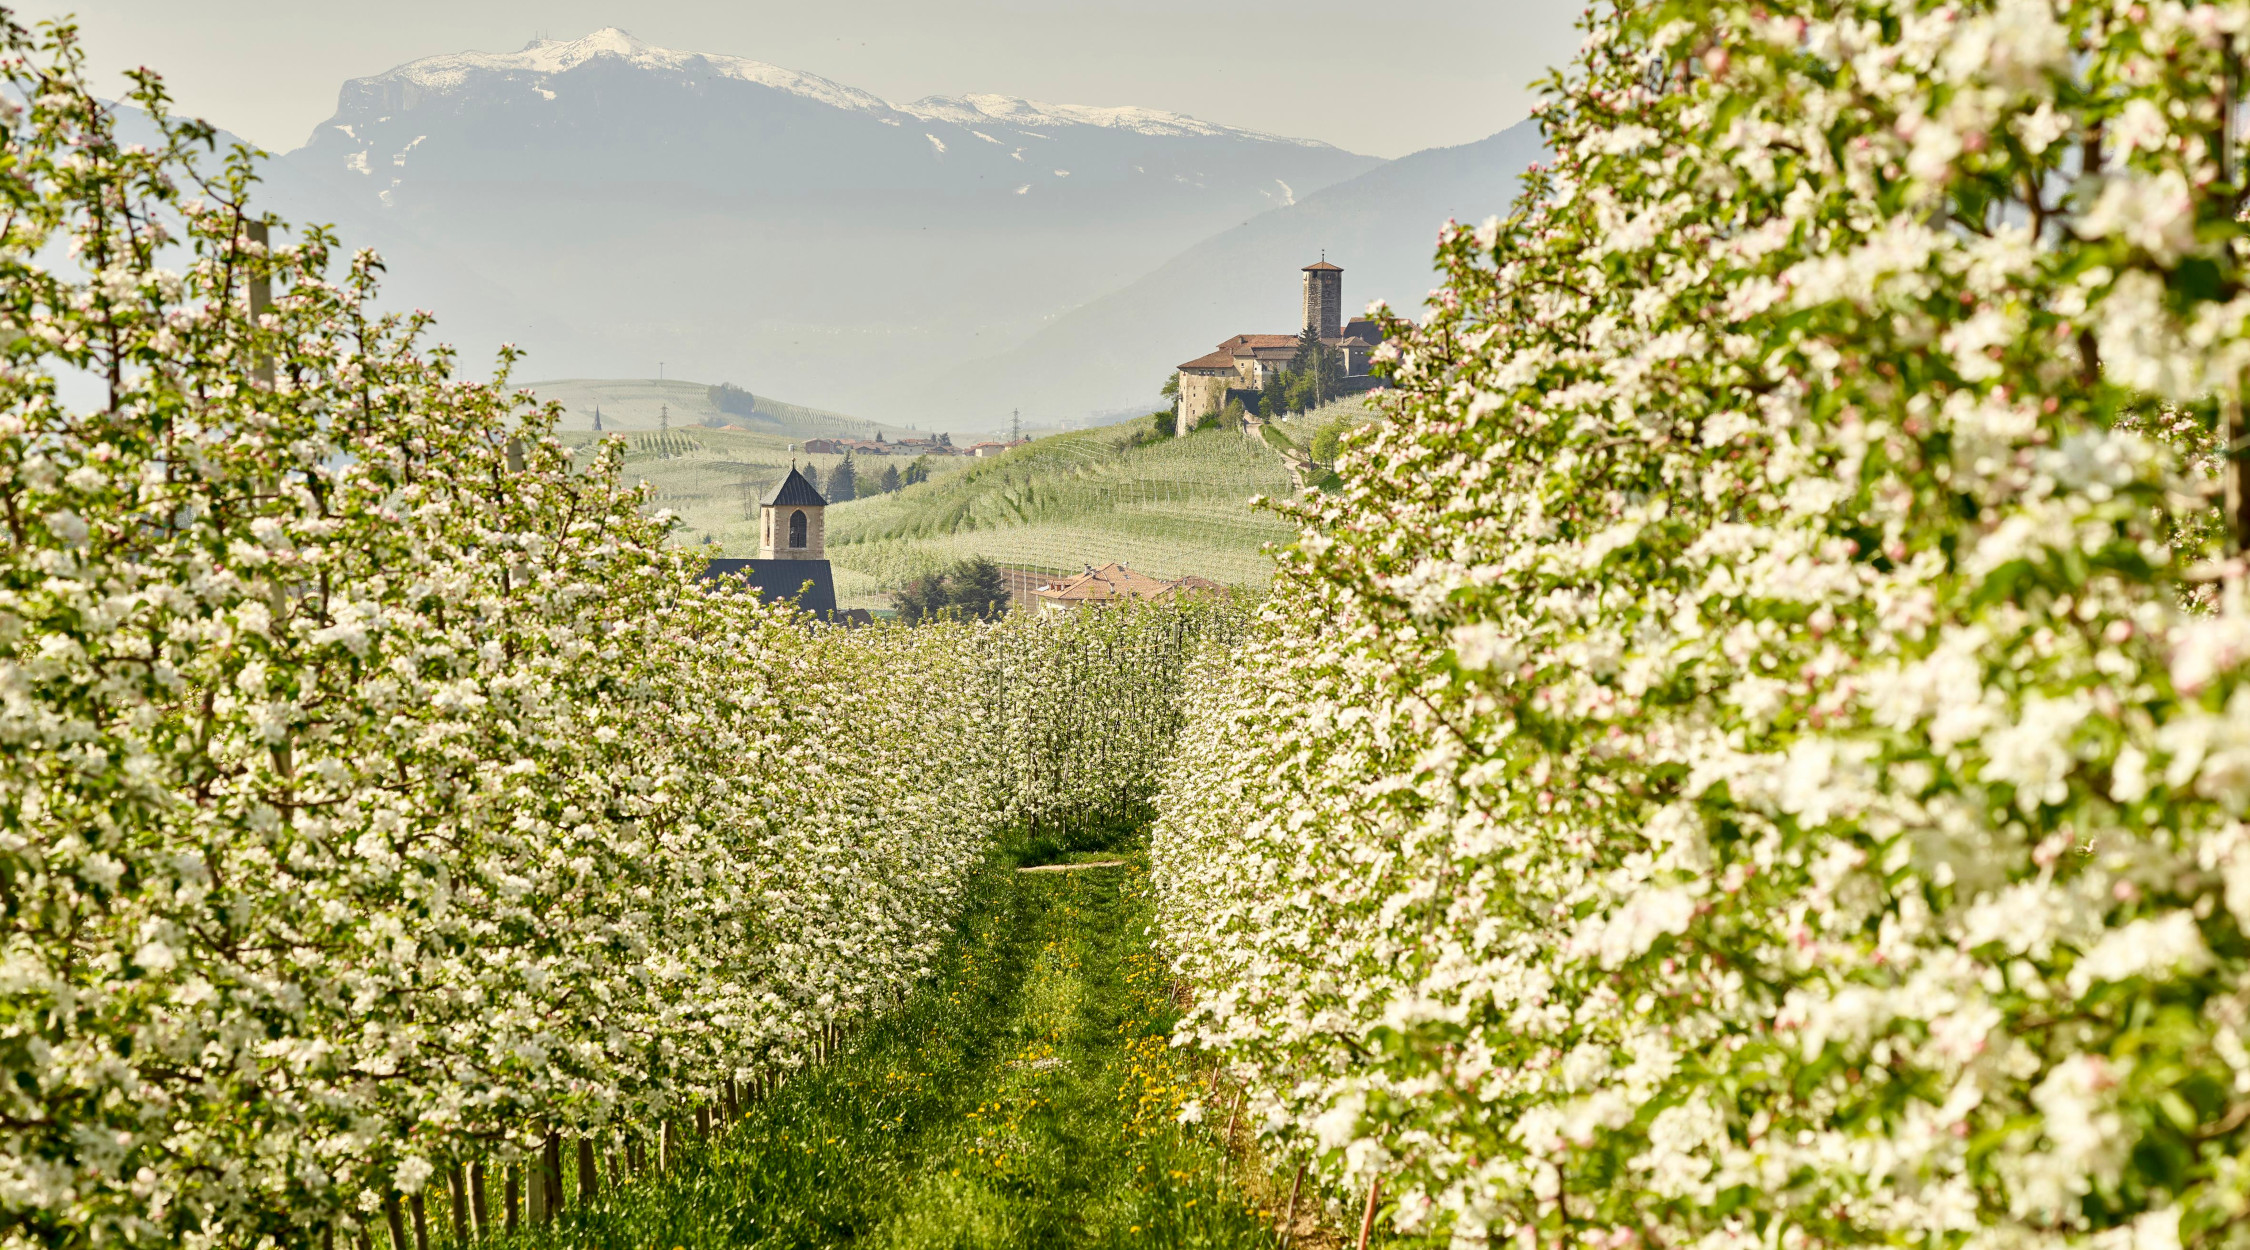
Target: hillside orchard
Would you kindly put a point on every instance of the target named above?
(381, 803)
(1758, 753)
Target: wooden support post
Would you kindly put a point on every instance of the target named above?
(261, 302)
(664, 1149)
(396, 1218)
(552, 1157)
(535, 1191)
(1367, 1220)
(588, 1178)
(2237, 472)
(703, 1121)
(510, 1197)
(457, 1188)
(478, 1205)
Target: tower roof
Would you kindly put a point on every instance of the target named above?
(794, 492)
(1323, 267)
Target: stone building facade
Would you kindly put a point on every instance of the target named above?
(792, 560)
(792, 521)
(1324, 299)
(1240, 366)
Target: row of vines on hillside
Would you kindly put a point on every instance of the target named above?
(380, 799)
(1759, 754)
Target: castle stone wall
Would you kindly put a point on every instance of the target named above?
(1202, 395)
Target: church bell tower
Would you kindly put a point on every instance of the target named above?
(1324, 299)
(790, 521)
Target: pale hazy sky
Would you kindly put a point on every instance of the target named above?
(1384, 77)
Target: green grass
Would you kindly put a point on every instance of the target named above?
(714, 478)
(1171, 507)
(1026, 1098)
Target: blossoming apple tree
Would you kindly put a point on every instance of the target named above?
(1758, 754)
(380, 797)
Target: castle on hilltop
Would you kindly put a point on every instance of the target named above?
(1241, 365)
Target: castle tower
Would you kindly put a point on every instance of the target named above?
(1324, 299)
(790, 524)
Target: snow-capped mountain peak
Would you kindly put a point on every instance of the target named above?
(532, 65)
(554, 56)
(983, 109)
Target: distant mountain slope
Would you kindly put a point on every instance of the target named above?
(645, 403)
(609, 205)
(1381, 227)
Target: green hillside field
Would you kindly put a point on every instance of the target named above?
(714, 478)
(1170, 507)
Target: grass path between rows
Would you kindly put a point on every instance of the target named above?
(1024, 1098)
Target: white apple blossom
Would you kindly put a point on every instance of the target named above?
(1814, 815)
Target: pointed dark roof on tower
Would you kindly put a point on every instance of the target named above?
(794, 492)
(1323, 267)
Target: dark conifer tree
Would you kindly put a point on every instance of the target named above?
(978, 589)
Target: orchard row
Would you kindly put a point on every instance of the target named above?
(1759, 754)
(382, 803)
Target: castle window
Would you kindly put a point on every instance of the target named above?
(797, 529)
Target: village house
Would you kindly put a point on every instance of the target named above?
(1239, 367)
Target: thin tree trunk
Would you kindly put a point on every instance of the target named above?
(509, 1200)
(1289, 1213)
(419, 1209)
(588, 1178)
(1367, 1220)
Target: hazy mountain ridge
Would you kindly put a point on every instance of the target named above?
(1380, 226)
(609, 206)
(608, 107)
